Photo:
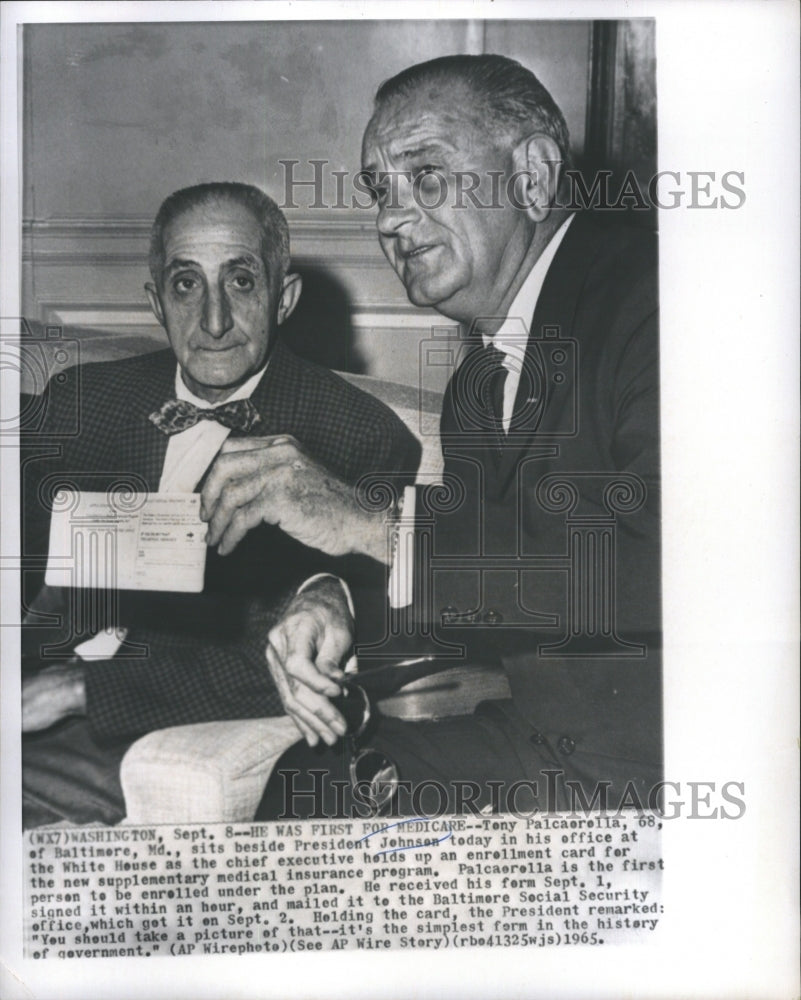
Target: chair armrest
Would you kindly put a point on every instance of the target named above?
(207, 772)
(455, 691)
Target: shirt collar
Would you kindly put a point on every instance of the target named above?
(511, 337)
(245, 391)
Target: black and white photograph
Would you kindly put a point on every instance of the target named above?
(397, 527)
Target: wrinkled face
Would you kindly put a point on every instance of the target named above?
(453, 251)
(215, 299)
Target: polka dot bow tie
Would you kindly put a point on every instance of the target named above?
(178, 415)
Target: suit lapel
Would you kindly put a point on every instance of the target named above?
(276, 395)
(553, 320)
(142, 445)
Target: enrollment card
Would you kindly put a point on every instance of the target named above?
(125, 541)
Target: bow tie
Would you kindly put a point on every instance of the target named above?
(178, 415)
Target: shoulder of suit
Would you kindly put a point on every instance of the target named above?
(125, 373)
(618, 245)
(609, 261)
(341, 396)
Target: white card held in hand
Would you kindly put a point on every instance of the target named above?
(127, 541)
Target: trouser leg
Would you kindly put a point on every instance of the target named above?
(67, 775)
(457, 764)
(493, 760)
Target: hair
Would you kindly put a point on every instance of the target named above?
(273, 224)
(510, 100)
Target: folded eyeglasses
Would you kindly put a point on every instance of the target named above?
(374, 776)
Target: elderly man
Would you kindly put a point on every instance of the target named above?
(221, 288)
(548, 554)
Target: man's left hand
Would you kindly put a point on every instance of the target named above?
(305, 654)
(52, 695)
(271, 479)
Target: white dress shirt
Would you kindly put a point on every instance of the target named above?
(511, 337)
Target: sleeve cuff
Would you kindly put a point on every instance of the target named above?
(401, 575)
(330, 576)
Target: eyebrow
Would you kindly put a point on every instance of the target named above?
(430, 147)
(179, 264)
(245, 260)
(413, 153)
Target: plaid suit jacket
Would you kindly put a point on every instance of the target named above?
(198, 657)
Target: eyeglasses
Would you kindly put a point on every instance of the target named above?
(374, 776)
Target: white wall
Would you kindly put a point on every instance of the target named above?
(117, 116)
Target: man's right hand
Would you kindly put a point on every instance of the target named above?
(305, 654)
(272, 480)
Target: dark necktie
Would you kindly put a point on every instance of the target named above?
(492, 380)
(178, 415)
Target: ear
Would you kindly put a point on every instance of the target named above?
(155, 302)
(290, 293)
(538, 168)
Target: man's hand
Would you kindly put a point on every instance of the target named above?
(270, 479)
(305, 652)
(52, 695)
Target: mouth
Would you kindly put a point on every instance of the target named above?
(415, 253)
(218, 350)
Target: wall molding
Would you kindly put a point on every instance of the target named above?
(346, 221)
(86, 276)
(105, 332)
(347, 236)
(99, 315)
(95, 315)
(83, 264)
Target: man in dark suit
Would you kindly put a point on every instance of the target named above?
(221, 287)
(546, 553)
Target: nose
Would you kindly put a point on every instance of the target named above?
(217, 319)
(399, 207)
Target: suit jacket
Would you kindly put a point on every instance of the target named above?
(196, 657)
(545, 546)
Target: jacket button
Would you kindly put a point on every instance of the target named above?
(536, 738)
(493, 617)
(448, 614)
(566, 745)
(471, 617)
